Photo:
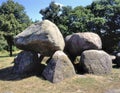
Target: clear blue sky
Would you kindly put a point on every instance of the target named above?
(32, 7)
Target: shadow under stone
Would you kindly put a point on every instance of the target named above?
(7, 75)
(116, 66)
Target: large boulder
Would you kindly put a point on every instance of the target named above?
(78, 42)
(43, 37)
(58, 68)
(96, 62)
(26, 62)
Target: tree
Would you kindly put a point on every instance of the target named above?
(3, 43)
(52, 12)
(64, 22)
(109, 12)
(67, 19)
(13, 20)
(59, 15)
(101, 17)
(79, 18)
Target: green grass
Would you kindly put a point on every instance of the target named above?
(11, 83)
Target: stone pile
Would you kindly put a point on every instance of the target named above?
(44, 38)
(88, 45)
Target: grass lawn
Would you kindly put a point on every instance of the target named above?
(10, 83)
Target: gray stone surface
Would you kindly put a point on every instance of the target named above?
(58, 68)
(26, 62)
(43, 37)
(96, 62)
(78, 42)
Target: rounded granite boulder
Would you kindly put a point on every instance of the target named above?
(43, 37)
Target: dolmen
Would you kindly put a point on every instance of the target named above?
(44, 39)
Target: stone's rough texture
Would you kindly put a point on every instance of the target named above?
(59, 68)
(43, 37)
(96, 62)
(26, 62)
(78, 42)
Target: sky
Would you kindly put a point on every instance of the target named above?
(32, 7)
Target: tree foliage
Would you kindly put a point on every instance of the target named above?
(3, 43)
(13, 19)
(79, 18)
(108, 10)
(68, 20)
(101, 17)
(52, 12)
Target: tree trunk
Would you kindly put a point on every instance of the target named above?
(10, 46)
